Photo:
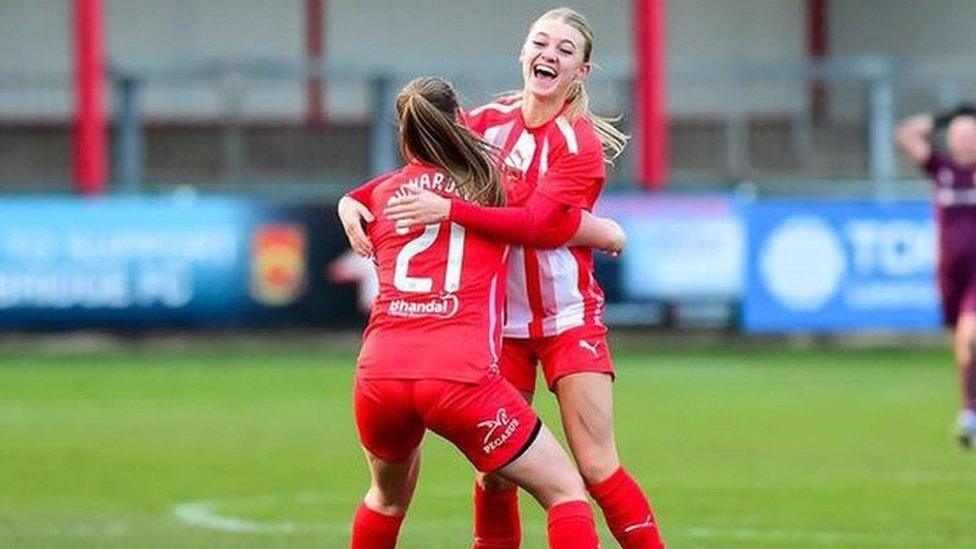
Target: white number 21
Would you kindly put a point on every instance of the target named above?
(455, 253)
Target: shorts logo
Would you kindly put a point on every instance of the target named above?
(501, 421)
(437, 307)
(591, 347)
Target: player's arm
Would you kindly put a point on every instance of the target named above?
(353, 213)
(541, 222)
(548, 218)
(601, 233)
(912, 136)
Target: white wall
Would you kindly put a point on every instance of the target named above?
(902, 28)
(934, 36)
(34, 39)
(705, 37)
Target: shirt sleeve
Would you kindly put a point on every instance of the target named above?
(364, 193)
(572, 178)
(541, 222)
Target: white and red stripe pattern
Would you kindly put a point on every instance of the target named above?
(548, 291)
(551, 291)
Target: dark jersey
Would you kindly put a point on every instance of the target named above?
(955, 207)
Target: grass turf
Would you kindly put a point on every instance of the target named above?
(255, 446)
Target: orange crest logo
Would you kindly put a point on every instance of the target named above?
(278, 264)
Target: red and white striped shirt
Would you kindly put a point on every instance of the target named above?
(548, 291)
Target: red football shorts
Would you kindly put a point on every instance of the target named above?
(489, 421)
(582, 349)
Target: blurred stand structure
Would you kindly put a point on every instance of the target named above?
(237, 124)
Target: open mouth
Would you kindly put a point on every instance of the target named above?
(544, 73)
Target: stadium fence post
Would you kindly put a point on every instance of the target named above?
(382, 142)
(128, 158)
(881, 128)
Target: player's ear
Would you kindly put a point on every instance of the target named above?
(583, 72)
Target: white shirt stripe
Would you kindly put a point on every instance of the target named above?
(544, 158)
(569, 133)
(547, 291)
(518, 313)
(500, 107)
(498, 135)
(565, 281)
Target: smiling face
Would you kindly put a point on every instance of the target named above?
(554, 57)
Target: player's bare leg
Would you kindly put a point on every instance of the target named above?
(378, 519)
(964, 345)
(545, 471)
(586, 405)
(496, 509)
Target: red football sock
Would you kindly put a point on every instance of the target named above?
(374, 530)
(571, 526)
(496, 519)
(627, 511)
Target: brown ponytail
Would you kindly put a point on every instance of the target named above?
(430, 133)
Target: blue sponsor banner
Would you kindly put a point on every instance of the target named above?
(145, 263)
(122, 262)
(679, 247)
(839, 266)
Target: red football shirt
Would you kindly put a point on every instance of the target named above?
(549, 291)
(438, 313)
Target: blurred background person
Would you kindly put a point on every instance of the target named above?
(953, 173)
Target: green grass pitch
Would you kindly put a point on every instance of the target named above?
(251, 444)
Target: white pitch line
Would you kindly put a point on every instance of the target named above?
(203, 514)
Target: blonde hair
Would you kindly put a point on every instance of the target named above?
(613, 139)
(430, 133)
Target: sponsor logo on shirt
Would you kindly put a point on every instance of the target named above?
(436, 307)
(493, 439)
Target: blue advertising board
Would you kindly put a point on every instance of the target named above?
(678, 247)
(135, 263)
(840, 266)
